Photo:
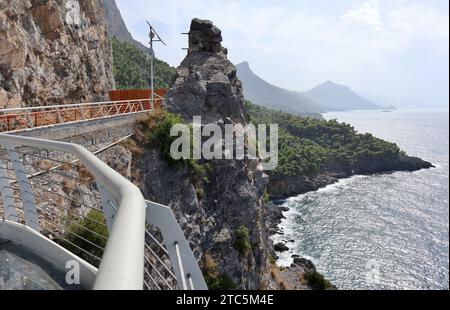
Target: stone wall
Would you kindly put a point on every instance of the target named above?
(88, 133)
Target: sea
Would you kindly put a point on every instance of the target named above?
(384, 231)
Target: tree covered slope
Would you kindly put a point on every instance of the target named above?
(132, 68)
(316, 152)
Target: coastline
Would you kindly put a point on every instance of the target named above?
(275, 213)
(283, 187)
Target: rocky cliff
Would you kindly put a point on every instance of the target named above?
(53, 51)
(116, 25)
(207, 84)
(221, 213)
(282, 186)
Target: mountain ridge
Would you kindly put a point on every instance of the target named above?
(116, 25)
(336, 97)
(265, 94)
(326, 97)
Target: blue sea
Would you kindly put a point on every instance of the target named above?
(386, 231)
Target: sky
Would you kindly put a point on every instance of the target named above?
(390, 51)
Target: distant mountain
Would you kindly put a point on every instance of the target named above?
(116, 26)
(265, 94)
(334, 97)
(326, 97)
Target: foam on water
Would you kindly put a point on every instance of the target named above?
(388, 231)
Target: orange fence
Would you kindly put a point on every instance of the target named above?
(25, 118)
(138, 94)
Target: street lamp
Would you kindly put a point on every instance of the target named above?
(152, 35)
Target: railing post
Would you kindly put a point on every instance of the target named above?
(7, 121)
(58, 116)
(26, 193)
(180, 266)
(177, 247)
(30, 119)
(82, 116)
(9, 203)
(109, 205)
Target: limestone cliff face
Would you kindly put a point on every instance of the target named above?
(53, 51)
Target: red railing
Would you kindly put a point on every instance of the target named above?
(123, 103)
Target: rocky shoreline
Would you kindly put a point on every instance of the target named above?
(291, 277)
(283, 187)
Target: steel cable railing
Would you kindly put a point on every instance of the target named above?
(77, 202)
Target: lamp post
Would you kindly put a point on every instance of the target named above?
(154, 37)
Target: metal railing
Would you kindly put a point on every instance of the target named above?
(17, 119)
(71, 203)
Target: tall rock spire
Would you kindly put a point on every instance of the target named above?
(205, 37)
(206, 84)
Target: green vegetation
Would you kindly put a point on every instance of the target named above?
(220, 282)
(242, 243)
(132, 68)
(213, 278)
(89, 234)
(272, 260)
(308, 144)
(156, 130)
(316, 280)
(266, 196)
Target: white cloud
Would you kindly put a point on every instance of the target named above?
(367, 13)
(418, 21)
(295, 47)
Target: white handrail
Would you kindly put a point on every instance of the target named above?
(183, 261)
(123, 259)
(130, 219)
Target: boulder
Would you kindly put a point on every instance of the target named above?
(280, 247)
(205, 37)
(305, 263)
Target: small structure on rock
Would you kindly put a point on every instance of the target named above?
(205, 37)
(206, 84)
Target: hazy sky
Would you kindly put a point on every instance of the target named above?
(392, 51)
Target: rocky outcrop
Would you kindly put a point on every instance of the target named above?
(280, 247)
(211, 211)
(205, 37)
(281, 186)
(292, 277)
(224, 204)
(53, 51)
(206, 84)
